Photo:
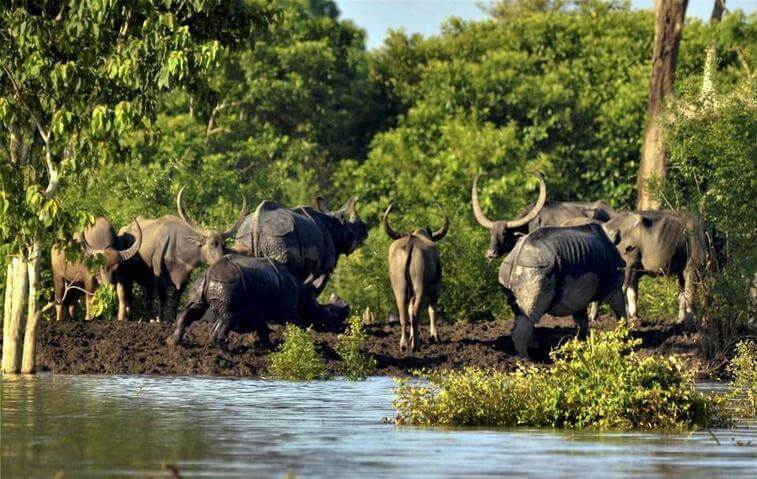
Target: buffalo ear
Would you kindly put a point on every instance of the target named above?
(196, 240)
(319, 203)
(612, 234)
(349, 210)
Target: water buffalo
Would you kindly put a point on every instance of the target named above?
(97, 240)
(560, 270)
(307, 240)
(172, 247)
(244, 293)
(415, 272)
(660, 243)
(504, 233)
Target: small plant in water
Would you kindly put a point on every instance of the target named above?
(742, 392)
(356, 363)
(104, 302)
(296, 359)
(600, 383)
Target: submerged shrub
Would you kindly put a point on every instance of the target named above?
(356, 363)
(742, 392)
(600, 383)
(296, 359)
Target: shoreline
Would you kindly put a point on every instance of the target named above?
(134, 347)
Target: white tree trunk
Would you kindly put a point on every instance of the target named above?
(8, 297)
(33, 312)
(12, 348)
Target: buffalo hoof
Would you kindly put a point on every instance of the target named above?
(173, 341)
(634, 322)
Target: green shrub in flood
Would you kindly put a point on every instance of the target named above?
(296, 359)
(600, 383)
(742, 392)
(104, 302)
(356, 363)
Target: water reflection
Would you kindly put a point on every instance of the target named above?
(115, 426)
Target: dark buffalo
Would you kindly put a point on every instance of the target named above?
(99, 240)
(244, 294)
(307, 240)
(560, 271)
(171, 248)
(660, 243)
(415, 272)
(504, 233)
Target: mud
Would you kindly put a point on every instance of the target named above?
(139, 347)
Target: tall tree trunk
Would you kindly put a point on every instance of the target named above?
(12, 341)
(669, 17)
(33, 312)
(708, 88)
(7, 304)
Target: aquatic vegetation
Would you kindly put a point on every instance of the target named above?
(600, 383)
(742, 391)
(104, 302)
(296, 359)
(356, 363)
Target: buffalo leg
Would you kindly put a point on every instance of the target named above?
(433, 312)
(524, 328)
(162, 291)
(400, 295)
(89, 297)
(617, 302)
(173, 304)
(631, 295)
(415, 311)
(593, 311)
(60, 289)
(124, 289)
(685, 295)
(581, 319)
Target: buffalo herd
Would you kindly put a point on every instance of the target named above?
(560, 258)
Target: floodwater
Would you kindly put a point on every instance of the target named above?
(120, 426)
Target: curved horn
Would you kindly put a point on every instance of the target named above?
(128, 253)
(537, 207)
(388, 229)
(441, 232)
(198, 229)
(477, 212)
(233, 231)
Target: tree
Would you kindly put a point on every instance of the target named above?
(708, 89)
(75, 78)
(669, 18)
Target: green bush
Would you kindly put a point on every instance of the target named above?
(600, 383)
(712, 159)
(104, 302)
(743, 370)
(356, 363)
(658, 299)
(296, 359)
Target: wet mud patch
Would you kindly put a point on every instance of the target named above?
(135, 347)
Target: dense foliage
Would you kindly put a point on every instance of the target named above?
(600, 383)
(301, 108)
(296, 359)
(743, 371)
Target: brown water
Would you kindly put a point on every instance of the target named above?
(131, 426)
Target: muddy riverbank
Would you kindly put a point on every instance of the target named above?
(139, 347)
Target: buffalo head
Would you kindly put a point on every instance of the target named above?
(503, 232)
(351, 231)
(212, 243)
(110, 257)
(426, 232)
